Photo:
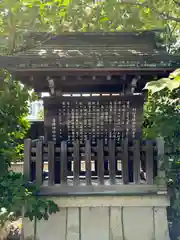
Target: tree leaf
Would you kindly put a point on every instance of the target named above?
(175, 74)
(173, 84)
(156, 86)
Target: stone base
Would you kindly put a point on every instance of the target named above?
(106, 218)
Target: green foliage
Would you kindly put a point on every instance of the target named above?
(18, 19)
(13, 125)
(170, 83)
(15, 193)
(162, 119)
(41, 114)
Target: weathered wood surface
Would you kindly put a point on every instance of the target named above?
(137, 161)
(88, 162)
(96, 117)
(63, 162)
(76, 162)
(100, 155)
(112, 167)
(96, 163)
(125, 173)
(39, 162)
(132, 189)
(51, 162)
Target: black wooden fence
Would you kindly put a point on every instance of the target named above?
(129, 162)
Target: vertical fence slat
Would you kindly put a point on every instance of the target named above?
(76, 162)
(125, 168)
(136, 161)
(100, 161)
(88, 162)
(112, 166)
(160, 155)
(63, 162)
(149, 162)
(27, 159)
(51, 163)
(39, 162)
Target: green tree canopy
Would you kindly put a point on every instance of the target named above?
(20, 18)
(161, 119)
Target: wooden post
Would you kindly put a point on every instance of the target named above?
(149, 162)
(160, 152)
(100, 160)
(112, 166)
(51, 163)
(39, 162)
(88, 162)
(63, 162)
(136, 161)
(125, 168)
(27, 159)
(76, 159)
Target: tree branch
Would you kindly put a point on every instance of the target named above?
(34, 45)
(162, 14)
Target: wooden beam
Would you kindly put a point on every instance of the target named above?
(88, 71)
(135, 99)
(134, 189)
(74, 79)
(83, 89)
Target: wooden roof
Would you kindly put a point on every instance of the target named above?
(92, 50)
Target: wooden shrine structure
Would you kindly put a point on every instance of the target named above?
(95, 107)
(92, 134)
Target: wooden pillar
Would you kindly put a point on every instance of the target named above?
(27, 159)
(160, 153)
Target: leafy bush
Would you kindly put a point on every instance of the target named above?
(15, 192)
(162, 119)
(13, 125)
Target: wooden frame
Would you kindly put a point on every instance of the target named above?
(71, 118)
(76, 179)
